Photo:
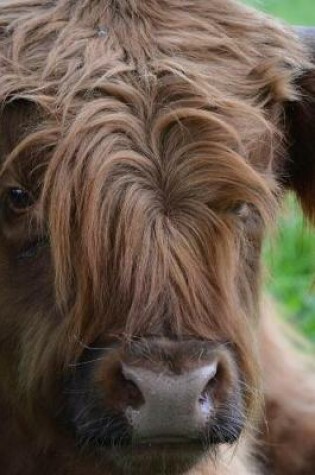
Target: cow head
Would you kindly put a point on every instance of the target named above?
(142, 162)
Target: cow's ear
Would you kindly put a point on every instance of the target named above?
(300, 121)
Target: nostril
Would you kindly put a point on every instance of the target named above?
(134, 397)
(206, 403)
(119, 390)
(207, 397)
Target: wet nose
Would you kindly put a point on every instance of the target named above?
(174, 406)
(154, 393)
(169, 391)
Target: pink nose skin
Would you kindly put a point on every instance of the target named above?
(155, 394)
(176, 406)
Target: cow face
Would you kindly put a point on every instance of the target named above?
(138, 179)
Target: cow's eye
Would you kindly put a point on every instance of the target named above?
(19, 199)
(242, 210)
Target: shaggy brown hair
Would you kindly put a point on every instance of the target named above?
(155, 139)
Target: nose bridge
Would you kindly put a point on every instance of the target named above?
(173, 403)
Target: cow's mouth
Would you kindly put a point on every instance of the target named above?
(162, 456)
(109, 443)
(168, 461)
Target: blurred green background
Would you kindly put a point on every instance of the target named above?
(297, 12)
(290, 254)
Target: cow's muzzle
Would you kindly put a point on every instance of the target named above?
(156, 394)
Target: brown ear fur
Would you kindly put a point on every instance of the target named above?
(301, 165)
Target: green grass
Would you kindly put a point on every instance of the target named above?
(290, 257)
(297, 12)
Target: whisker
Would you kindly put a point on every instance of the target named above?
(83, 363)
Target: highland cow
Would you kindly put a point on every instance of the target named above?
(145, 148)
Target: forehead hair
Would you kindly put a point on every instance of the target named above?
(151, 123)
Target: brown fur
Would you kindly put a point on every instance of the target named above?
(140, 127)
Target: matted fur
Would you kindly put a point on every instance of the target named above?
(145, 125)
